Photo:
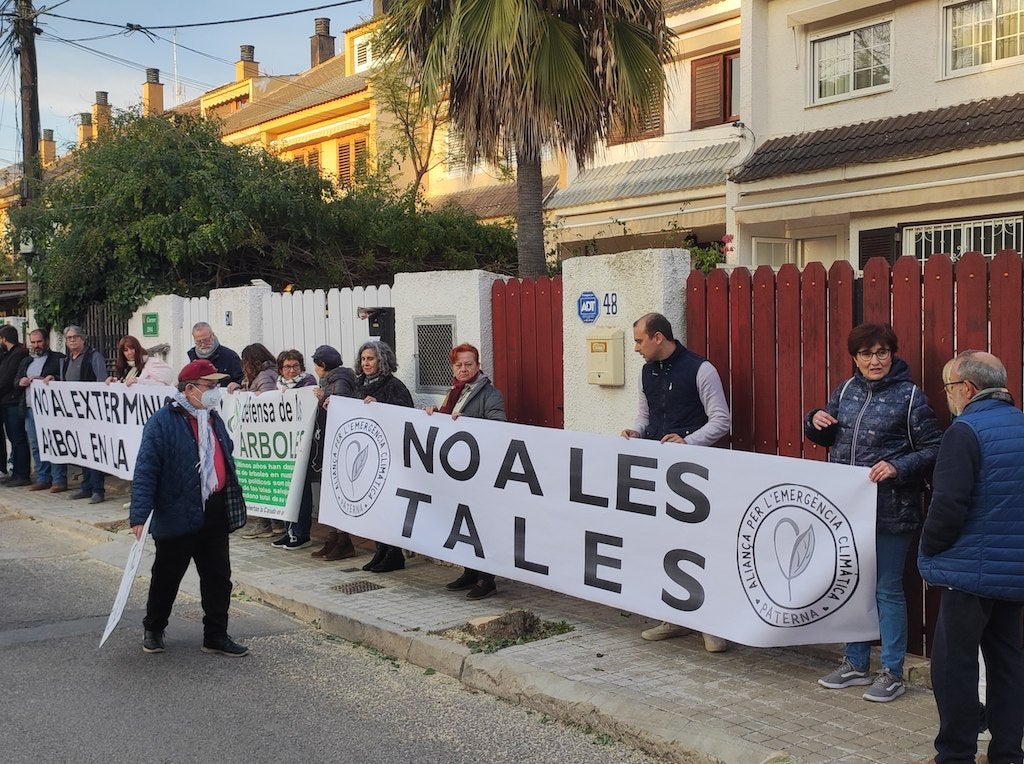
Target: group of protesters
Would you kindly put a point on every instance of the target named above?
(972, 542)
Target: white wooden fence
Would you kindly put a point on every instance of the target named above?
(305, 320)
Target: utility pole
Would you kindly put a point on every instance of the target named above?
(25, 27)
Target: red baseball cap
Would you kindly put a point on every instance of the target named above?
(200, 369)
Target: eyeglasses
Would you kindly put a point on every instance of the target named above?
(70, 337)
(948, 385)
(467, 365)
(290, 366)
(881, 354)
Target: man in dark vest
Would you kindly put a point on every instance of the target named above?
(84, 363)
(41, 363)
(972, 548)
(681, 401)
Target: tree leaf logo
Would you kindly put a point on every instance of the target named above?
(355, 460)
(794, 561)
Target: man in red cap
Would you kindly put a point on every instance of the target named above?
(185, 476)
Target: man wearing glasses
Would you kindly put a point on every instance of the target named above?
(185, 476)
(84, 363)
(972, 548)
(208, 348)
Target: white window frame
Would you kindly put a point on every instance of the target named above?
(988, 25)
(360, 44)
(967, 230)
(817, 41)
(756, 241)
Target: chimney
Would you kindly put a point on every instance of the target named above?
(152, 94)
(100, 113)
(84, 128)
(321, 44)
(47, 149)
(246, 68)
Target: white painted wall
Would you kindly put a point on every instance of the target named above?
(644, 281)
(781, 89)
(466, 295)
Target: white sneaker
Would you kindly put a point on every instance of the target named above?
(715, 644)
(665, 631)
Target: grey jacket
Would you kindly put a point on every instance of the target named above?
(482, 400)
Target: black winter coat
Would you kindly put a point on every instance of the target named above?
(886, 420)
(389, 389)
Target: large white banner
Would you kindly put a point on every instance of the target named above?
(272, 434)
(92, 423)
(762, 550)
(100, 426)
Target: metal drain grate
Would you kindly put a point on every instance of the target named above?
(356, 587)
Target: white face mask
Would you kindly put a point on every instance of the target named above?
(211, 398)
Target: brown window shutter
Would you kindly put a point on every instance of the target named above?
(345, 165)
(878, 242)
(359, 157)
(707, 98)
(313, 159)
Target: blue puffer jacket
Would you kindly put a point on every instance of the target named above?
(166, 479)
(886, 420)
(986, 556)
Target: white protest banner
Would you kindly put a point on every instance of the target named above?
(762, 550)
(92, 423)
(131, 569)
(272, 434)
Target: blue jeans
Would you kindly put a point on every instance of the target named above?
(890, 556)
(45, 471)
(14, 424)
(300, 528)
(94, 482)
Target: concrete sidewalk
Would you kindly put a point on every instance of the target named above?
(669, 698)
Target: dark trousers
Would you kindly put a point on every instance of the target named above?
(209, 549)
(94, 482)
(14, 424)
(967, 622)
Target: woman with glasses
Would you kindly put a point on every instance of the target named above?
(291, 371)
(472, 395)
(880, 419)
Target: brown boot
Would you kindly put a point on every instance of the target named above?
(342, 549)
(328, 547)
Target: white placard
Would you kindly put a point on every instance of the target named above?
(762, 550)
(131, 569)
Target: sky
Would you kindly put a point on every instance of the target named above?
(76, 59)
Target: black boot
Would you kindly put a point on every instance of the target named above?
(378, 556)
(153, 642)
(393, 560)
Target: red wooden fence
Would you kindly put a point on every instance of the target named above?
(779, 342)
(527, 321)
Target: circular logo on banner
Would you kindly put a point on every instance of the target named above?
(359, 463)
(796, 556)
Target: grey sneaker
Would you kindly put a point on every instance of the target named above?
(845, 675)
(886, 687)
(665, 630)
(260, 530)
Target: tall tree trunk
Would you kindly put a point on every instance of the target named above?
(530, 216)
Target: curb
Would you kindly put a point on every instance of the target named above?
(638, 724)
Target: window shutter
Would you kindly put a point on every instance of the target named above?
(706, 92)
(345, 165)
(359, 157)
(878, 242)
(313, 159)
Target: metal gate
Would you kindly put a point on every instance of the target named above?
(527, 320)
(103, 330)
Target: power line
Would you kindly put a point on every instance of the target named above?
(130, 27)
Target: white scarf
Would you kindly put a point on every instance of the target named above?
(207, 470)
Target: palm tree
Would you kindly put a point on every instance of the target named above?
(520, 75)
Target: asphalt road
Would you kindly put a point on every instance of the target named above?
(299, 697)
